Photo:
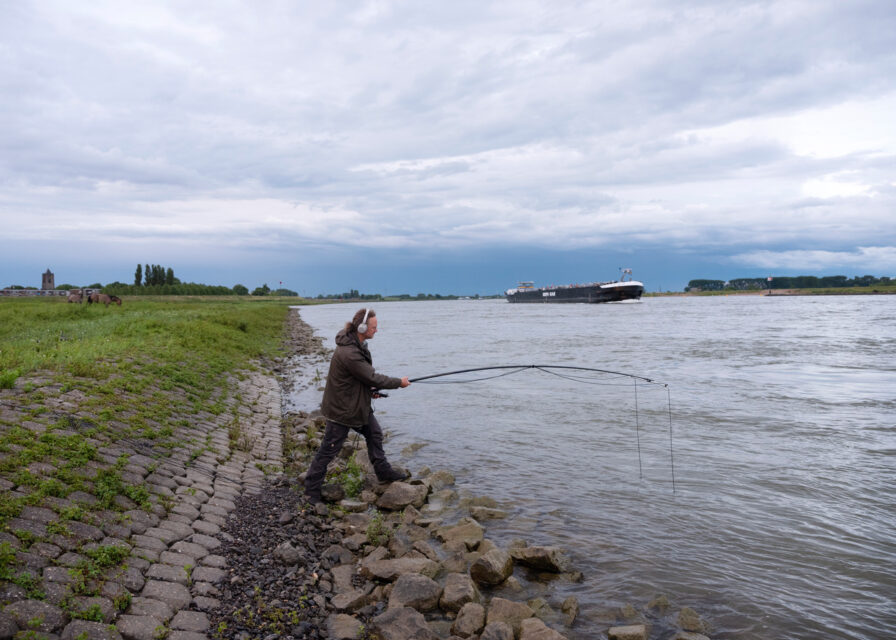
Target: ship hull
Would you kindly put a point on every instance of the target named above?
(592, 293)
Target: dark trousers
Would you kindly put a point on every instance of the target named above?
(334, 437)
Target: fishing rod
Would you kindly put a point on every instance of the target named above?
(522, 367)
(510, 369)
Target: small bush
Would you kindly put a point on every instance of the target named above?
(8, 378)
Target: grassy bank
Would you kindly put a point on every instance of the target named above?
(95, 404)
(165, 338)
(73, 377)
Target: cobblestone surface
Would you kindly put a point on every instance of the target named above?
(171, 575)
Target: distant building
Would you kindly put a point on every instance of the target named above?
(49, 281)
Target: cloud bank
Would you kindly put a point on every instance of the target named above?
(758, 133)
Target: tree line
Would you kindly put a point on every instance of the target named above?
(154, 275)
(787, 282)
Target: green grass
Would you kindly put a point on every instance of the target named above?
(86, 341)
(351, 477)
(137, 372)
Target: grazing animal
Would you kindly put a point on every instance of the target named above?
(103, 298)
(75, 296)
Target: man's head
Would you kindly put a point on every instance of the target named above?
(364, 323)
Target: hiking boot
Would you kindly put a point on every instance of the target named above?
(395, 475)
(313, 499)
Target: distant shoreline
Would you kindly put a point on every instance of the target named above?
(852, 291)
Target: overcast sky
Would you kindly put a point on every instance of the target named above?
(399, 147)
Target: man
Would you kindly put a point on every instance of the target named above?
(351, 383)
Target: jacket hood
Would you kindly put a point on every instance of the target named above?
(345, 338)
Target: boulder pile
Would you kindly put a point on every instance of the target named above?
(401, 560)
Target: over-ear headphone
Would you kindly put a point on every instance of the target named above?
(362, 328)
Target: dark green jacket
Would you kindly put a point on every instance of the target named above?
(351, 377)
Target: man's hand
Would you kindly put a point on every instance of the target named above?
(405, 382)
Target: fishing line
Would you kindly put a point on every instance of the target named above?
(638, 433)
(671, 457)
(552, 369)
(601, 382)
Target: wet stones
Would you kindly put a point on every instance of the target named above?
(492, 568)
(402, 623)
(541, 558)
(391, 569)
(416, 591)
(470, 620)
(628, 632)
(509, 612)
(467, 532)
(497, 631)
(400, 495)
(535, 629)
(689, 620)
(459, 590)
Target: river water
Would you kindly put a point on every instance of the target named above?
(782, 522)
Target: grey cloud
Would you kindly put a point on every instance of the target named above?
(499, 119)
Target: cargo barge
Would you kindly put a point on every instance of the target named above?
(593, 292)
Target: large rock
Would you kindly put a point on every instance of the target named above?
(570, 609)
(459, 590)
(467, 531)
(497, 631)
(288, 554)
(439, 480)
(341, 626)
(402, 624)
(350, 600)
(513, 613)
(400, 494)
(535, 629)
(51, 618)
(541, 558)
(469, 621)
(332, 492)
(416, 591)
(487, 513)
(390, 570)
(689, 635)
(628, 632)
(689, 620)
(342, 578)
(492, 568)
